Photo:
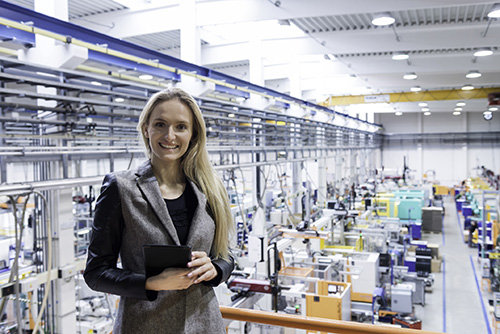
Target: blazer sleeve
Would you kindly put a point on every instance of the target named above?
(101, 272)
(224, 269)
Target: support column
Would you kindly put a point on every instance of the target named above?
(294, 77)
(352, 167)
(322, 183)
(256, 70)
(296, 186)
(190, 36)
(338, 171)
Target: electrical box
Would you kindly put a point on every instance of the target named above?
(401, 298)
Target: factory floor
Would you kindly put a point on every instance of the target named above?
(457, 304)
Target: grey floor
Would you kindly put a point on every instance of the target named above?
(456, 303)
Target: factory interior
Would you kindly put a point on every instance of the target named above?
(361, 157)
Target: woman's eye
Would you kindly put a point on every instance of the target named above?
(159, 124)
(182, 127)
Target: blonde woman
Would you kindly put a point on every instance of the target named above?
(174, 198)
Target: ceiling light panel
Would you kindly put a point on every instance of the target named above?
(383, 19)
(483, 52)
(410, 76)
(473, 74)
(400, 56)
(495, 11)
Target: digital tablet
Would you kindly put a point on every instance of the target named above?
(159, 257)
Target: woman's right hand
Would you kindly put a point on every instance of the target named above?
(170, 279)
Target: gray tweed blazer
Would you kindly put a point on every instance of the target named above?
(131, 212)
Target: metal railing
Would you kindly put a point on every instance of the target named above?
(311, 323)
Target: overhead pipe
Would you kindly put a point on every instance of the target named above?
(189, 69)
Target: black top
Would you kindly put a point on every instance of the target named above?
(181, 211)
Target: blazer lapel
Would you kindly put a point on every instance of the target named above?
(148, 184)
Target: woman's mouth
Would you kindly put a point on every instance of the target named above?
(170, 147)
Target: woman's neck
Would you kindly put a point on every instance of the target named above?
(168, 174)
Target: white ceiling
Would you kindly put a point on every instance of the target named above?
(439, 35)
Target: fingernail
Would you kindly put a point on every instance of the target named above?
(190, 274)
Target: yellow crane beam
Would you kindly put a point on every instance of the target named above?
(428, 95)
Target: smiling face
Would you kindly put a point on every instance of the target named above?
(169, 131)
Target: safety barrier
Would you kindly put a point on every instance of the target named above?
(311, 323)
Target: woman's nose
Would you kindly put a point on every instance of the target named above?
(170, 133)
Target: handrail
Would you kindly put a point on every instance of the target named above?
(311, 323)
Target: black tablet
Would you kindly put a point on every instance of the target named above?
(159, 257)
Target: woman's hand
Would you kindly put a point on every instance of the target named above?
(203, 269)
(171, 279)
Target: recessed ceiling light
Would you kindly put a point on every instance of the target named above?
(423, 104)
(458, 109)
(398, 113)
(410, 76)
(425, 109)
(427, 113)
(145, 77)
(456, 113)
(230, 115)
(416, 89)
(461, 104)
(383, 19)
(483, 52)
(96, 83)
(495, 11)
(119, 99)
(400, 56)
(473, 74)
(493, 108)
(468, 87)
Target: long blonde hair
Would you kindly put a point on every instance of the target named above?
(197, 167)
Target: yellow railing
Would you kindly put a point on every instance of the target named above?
(311, 323)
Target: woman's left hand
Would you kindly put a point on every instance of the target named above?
(204, 269)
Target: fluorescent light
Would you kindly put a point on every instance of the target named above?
(459, 109)
(383, 19)
(400, 56)
(423, 104)
(468, 87)
(493, 108)
(495, 11)
(425, 109)
(456, 113)
(119, 99)
(473, 74)
(96, 83)
(427, 113)
(145, 77)
(483, 52)
(230, 115)
(410, 76)
(47, 74)
(416, 89)
(461, 104)
(398, 113)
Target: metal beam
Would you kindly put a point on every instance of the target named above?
(429, 95)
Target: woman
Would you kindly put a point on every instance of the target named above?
(174, 198)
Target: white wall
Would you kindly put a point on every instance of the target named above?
(452, 162)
